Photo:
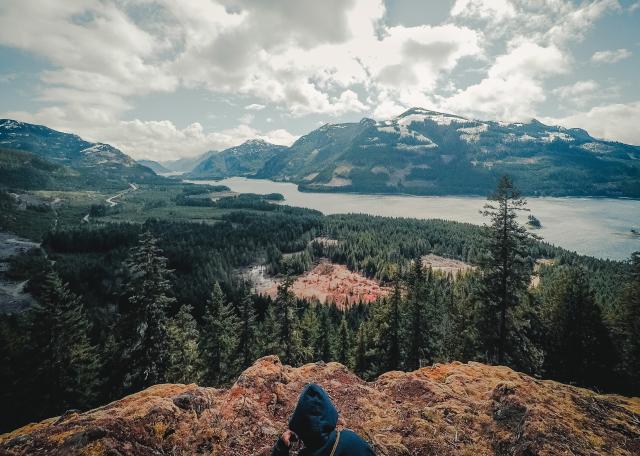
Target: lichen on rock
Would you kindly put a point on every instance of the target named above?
(446, 409)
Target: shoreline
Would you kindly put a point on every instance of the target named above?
(411, 195)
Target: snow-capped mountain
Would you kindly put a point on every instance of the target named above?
(428, 152)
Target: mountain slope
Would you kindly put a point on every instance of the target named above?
(427, 152)
(24, 170)
(96, 163)
(242, 160)
(186, 165)
(449, 409)
(154, 166)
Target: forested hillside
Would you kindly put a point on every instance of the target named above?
(149, 291)
(431, 153)
(85, 164)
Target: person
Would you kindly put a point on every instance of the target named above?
(314, 423)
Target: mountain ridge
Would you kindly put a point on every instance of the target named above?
(446, 409)
(241, 160)
(427, 152)
(93, 163)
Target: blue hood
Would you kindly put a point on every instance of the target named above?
(315, 417)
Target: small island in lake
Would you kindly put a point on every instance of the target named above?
(534, 223)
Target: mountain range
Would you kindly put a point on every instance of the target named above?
(419, 152)
(432, 153)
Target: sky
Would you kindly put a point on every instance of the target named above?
(163, 79)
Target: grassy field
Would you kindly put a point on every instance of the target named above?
(36, 212)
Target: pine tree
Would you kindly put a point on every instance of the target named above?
(145, 320)
(219, 338)
(324, 349)
(287, 313)
(184, 363)
(67, 366)
(395, 326)
(310, 330)
(419, 328)
(270, 326)
(361, 362)
(343, 343)
(578, 343)
(247, 332)
(630, 323)
(506, 269)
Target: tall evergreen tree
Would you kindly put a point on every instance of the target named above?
(67, 366)
(144, 319)
(247, 332)
(287, 313)
(218, 338)
(630, 323)
(361, 364)
(310, 330)
(418, 325)
(184, 363)
(506, 270)
(343, 343)
(268, 330)
(578, 343)
(394, 355)
(323, 348)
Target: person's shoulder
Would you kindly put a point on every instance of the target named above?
(351, 441)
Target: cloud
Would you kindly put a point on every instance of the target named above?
(490, 58)
(513, 85)
(492, 10)
(617, 122)
(7, 77)
(577, 89)
(157, 140)
(611, 56)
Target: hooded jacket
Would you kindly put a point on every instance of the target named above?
(314, 420)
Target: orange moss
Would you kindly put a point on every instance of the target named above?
(446, 409)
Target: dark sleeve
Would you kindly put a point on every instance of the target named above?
(353, 445)
(280, 449)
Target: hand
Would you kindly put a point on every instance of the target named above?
(289, 437)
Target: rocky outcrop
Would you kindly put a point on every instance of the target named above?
(452, 409)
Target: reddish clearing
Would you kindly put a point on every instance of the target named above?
(329, 283)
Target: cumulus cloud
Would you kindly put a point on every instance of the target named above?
(513, 86)
(616, 122)
(611, 56)
(544, 21)
(583, 93)
(156, 140)
(577, 89)
(492, 10)
(297, 57)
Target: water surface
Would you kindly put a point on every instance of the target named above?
(598, 227)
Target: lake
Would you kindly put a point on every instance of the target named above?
(598, 227)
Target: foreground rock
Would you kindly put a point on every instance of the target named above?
(453, 409)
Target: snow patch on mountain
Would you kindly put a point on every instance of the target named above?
(472, 134)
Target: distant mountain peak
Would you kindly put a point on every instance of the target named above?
(102, 161)
(256, 141)
(10, 123)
